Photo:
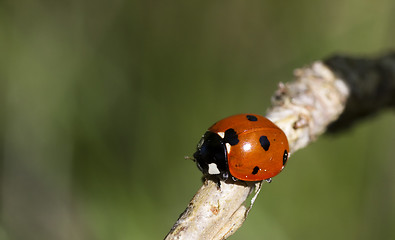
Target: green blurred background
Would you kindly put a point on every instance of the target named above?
(101, 100)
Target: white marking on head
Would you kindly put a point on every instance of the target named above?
(247, 147)
(213, 169)
(228, 146)
(221, 134)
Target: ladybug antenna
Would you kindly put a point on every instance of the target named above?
(189, 158)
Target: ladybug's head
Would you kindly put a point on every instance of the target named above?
(211, 156)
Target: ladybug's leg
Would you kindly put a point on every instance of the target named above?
(204, 179)
(269, 180)
(213, 178)
(218, 182)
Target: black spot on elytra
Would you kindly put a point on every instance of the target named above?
(255, 170)
(252, 118)
(264, 142)
(231, 137)
(285, 157)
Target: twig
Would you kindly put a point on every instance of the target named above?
(304, 109)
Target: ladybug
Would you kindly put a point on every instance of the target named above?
(245, 147)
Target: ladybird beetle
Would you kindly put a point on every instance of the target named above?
(245, 147)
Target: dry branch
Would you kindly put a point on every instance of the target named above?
(332, 93)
